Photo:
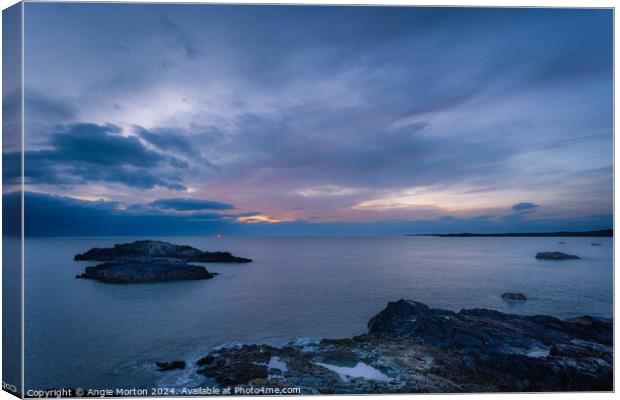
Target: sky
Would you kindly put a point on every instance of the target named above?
(204, 119)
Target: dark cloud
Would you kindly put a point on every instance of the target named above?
(176, 141)
(187, 204)
(100, 144)
(520, 211)
(168, 140)
(50, 215)
(525, 206)
(84, 152)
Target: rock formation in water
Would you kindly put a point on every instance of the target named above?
(158, 249)
(555, 255)
(146, 270)
(510, 296)
(411, 347)
(151, 261)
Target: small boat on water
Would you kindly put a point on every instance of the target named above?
(562, 242)
(596, 243)
(218, 236)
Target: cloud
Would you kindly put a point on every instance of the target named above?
(51, 215)
(101, 145)
(85, 152)
(525, 206)
(186, 204)
(175, 141)
(255, 219)
(364, 154)
(168, 140)
(328, 191)
(520, 211)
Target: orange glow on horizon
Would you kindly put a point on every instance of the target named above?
(260, 218)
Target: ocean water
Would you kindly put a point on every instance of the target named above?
(87, 334)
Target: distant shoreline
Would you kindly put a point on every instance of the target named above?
(600, 233)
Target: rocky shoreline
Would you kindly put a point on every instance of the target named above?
(412, 348)
(149, 261)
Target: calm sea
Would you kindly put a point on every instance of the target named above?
(87, 334)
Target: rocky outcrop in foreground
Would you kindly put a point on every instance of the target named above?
(556, 255)
(149, 261)
(410, 347)
(158, 249)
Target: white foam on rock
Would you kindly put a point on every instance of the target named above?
(305, 344)
(361, 370)
(276, 362)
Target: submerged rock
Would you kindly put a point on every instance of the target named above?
(158, 249)
(145, 270)
(555, 255)
(510, 296)
(411, 348)
(167, 366)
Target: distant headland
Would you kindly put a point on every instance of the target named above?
(599, 233)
